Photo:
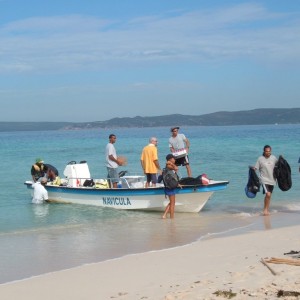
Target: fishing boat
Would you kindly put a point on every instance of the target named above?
(131, 193)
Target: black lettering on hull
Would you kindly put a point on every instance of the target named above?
(116, 201)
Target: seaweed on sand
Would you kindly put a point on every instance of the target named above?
(226, 294)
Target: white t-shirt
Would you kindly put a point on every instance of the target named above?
(265, 166)
(177, 142)
(110, 150)
(40, 194)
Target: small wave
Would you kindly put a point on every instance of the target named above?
(248, 215)
(225, 232)
(293, 207)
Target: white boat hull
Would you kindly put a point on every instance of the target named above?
(188, 199)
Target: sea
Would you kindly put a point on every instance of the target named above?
(39, 239)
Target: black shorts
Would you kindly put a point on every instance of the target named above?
(268, 187)
(151, 177)
(182, 161)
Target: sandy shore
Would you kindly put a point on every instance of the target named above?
(197, 271)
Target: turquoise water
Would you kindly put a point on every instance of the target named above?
(37, 239)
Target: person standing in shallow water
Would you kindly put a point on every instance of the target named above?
(179, 141)
(170, 208)
(40, 193)
(149, 162)
(265, 165)
(112, 161)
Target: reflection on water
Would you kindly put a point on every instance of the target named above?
(40, 210)
(56, 247)
(267, 222)
(92, 234)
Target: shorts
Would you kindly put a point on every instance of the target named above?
(268, 187)
(151, 178)
(170, 192)
(112, 174)
(182, 161)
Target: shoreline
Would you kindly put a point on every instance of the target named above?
(193, 271)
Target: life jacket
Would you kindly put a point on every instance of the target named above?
(253, 184)
(282, 173)
(102, 184)
(57, 181)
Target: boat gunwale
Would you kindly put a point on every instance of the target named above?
(198, 187)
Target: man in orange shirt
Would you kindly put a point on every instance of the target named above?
(149, 162)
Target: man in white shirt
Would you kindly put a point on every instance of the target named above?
(112, 161)
(178, 141)
(265, 165)
(40, 194)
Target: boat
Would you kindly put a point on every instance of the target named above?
(131, 193)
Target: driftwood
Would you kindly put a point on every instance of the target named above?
(287, 261)
(265, 263)
(292, 252)
(282, 293)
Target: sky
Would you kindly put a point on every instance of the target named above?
(93, 60)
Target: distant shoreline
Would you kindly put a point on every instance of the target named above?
(262, 116)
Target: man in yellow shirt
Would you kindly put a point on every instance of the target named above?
(149, 162)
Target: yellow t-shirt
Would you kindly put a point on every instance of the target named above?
(149, 155)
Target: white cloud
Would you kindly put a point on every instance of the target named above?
(66, 43)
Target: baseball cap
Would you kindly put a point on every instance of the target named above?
(39, 160)
(169, 156)
(176, 127)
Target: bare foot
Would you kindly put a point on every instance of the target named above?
(266, 213)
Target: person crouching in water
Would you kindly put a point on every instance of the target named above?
(170, 208)
(40, 193)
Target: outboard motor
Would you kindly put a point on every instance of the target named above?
(77, 173)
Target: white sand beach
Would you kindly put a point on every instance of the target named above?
(207, 269)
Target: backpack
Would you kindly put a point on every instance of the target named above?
(282, 173)
(253, 184)
(89, 182)
(170, 178)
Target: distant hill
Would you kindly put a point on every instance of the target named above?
(32, 126)
(222, 118)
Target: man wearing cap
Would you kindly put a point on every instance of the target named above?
(40, 194)
(37, 170)
(179, 142)
(170, 208)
